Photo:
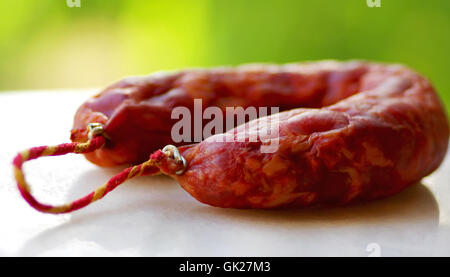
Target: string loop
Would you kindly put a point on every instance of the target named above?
(96, 140)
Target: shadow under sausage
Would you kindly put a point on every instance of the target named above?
(416, 203)
(134, 228)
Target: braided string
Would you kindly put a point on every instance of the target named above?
(150, 167)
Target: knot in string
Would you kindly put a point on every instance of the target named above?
(169, 161)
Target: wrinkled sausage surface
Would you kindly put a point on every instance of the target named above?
(347, 131)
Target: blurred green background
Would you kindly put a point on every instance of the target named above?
(45, 44)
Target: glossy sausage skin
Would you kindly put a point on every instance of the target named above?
(364, 131)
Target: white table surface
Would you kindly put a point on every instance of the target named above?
(154, 216)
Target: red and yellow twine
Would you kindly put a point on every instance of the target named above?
(96, 141)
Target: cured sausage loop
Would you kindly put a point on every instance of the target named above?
(347, 131)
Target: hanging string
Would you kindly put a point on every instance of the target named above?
(167, 161)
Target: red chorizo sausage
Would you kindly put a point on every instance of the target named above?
(363, 131)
